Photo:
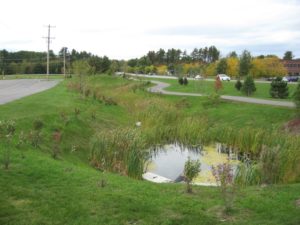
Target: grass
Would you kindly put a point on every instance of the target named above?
(41, 190)
(207, 87)
(38, 189)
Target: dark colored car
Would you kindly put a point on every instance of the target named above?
(292, 78)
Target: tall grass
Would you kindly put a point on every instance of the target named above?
(123, 150)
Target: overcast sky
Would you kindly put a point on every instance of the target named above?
(123, 29)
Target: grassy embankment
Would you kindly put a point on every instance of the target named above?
(207, 87)
(40, 190)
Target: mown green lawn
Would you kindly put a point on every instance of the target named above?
(207, 87)
(41, 190)
(38, 189)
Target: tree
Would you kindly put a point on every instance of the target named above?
(249, 87)
(185, 81)
(218, 84)
(238, 85)
(222, 66)
(232, 54)
(82, 69)
(267, 67)
(180, 80)
(245, 63)
(279, 88)
(288, 55)
(232, 66)
(191, 170)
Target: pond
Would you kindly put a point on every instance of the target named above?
(167, 163)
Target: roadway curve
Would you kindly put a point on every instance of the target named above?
(11, 90)
(160, 86)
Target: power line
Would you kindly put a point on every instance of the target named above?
(49, 38)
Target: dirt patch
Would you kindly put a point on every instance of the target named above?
(293, 126)
(297, 203)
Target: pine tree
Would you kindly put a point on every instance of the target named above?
(279, 88)
(249, 87)
(238, 85)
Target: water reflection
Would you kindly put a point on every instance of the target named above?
(168, 161)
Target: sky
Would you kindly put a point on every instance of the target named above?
(124, 29)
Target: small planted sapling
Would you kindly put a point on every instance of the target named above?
(191, 170)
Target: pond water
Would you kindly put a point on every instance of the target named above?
(169, 161)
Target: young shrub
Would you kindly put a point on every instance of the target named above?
(35, 134)
(218, 84)
(238, 85)
(279, 88)
(223, 174)
(180, 80)
(22, 140)
(191, 170)
(56, 137)
(249, 87)
(7, 130)
(185, 81)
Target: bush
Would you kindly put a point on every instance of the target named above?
(191, 170)
(7, 130)
(223, 174)
(238, 85)
(180, 80)
(185, 81)
(249, 87)
(218, 84)
(279, 88)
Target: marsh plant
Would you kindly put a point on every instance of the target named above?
(191, 170)
(120, 150)
(223, 174)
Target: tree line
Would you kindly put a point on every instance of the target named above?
(206, 61)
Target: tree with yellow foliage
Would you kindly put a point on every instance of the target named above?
(232, 67)
(267, 67)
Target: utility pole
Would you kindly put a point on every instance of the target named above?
(49, 38)
(65, 62)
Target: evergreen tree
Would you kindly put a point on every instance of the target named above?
(222, 66)
(185, 81)
(238, 85)
(279, 88)
(288, 55)
(180, 80)
(245, 63)
(249, 87)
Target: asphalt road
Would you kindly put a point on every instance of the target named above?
(160, 86)
(11, 90)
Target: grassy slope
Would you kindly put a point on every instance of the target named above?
(207, 87)
(41, 190)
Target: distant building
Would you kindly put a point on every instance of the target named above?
(292, 66)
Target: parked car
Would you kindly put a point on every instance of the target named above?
(292, 78)
(223, 77)
(199, 77)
